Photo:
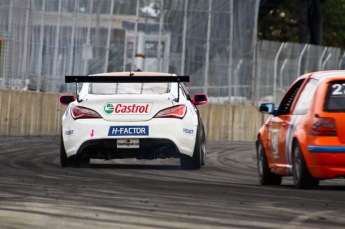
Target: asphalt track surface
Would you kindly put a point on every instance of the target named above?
(35, 192)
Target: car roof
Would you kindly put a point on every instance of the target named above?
(322, 75)
(134, 74)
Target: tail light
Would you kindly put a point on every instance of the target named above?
(83, 112)
(172, 112)
(324, 127)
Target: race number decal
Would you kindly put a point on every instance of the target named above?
(275, 143)
(338, 89)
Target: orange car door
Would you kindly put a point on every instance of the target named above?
(280, 126)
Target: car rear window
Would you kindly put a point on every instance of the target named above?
(335, 98)
(129, 88)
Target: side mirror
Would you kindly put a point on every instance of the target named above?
(200, 99)
(266, 108)
(66, 99)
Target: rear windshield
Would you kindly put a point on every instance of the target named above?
(335, 99)
(129, 88)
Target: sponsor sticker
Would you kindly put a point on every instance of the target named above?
(108, 108)
(188, 131)
(127, 108)
(127, 143)
(128, 131)
(69, 132)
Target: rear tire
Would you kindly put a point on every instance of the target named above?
(301, 176)
(203, 149)
(64, 160)
(197, 160)
(266, 177)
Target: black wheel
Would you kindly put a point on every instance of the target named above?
(266, 177)
(64, 160)
(301, 176)
(196, 161)
(203, 149)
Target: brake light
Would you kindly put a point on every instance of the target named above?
(172, 112)
(324, 127)
(83, 112)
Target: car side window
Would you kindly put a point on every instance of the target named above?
(289, 98)
(306, 98)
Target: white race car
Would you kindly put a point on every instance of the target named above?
(143, 115)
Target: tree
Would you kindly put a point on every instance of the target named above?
(334, 23)
(282, 23)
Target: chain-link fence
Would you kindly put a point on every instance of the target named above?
(213, 41)
(279, 64)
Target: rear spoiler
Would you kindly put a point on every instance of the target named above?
(126, 79)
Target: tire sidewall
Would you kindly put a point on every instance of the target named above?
(261, 163)
(266, 177)
(197, 154)
(301, 176)
(64, 160)
(297, 166)
(203, 149)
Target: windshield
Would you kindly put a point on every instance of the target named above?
(129, 88)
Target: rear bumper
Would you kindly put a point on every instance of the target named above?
(327, 172)
(80, 134)
(326, 161)
(149, 149)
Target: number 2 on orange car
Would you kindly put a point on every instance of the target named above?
(339, 89)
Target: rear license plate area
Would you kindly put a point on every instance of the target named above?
(127, 143)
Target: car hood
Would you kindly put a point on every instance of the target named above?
(128, 107)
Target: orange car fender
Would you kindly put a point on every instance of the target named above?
(263, 132)
(301, 137)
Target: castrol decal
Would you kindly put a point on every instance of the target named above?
(127, 108)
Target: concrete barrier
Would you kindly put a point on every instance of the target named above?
(32, 114)
(230, 122)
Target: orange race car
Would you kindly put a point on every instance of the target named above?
(305, 135)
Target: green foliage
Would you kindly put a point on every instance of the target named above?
(281, 23)
(334, 23)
